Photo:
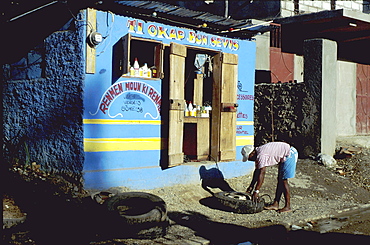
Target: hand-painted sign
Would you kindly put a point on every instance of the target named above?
(172, 33)
(131, 99)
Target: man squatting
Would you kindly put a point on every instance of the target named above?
(268, 155)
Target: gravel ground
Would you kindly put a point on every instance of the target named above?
(317, 193)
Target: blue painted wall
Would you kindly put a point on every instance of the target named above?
(123, 148)
(52, 112)
(43, 104)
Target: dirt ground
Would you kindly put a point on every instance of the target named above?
(328, 205)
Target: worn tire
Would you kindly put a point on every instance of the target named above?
(240, 202)
(137, 207)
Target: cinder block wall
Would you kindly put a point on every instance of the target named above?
(42, 105)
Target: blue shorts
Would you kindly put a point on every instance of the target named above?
(287, 168)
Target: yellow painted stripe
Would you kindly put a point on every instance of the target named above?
(119, 144)
(244, 140)
(244, 123)
(113, 121)
(139, 144)
(153, 122)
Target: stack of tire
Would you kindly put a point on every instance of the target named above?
(138, 214)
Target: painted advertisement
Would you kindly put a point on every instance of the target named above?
(130, 99)
(176, 34)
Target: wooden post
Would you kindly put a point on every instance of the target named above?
(90, 51)
(198, 90)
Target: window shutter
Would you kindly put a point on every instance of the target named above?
(158, 59)
(126, 43)
(223, 140)
(177, 104)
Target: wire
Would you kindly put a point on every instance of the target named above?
(75, 18)
(31, 11)
(109, 31)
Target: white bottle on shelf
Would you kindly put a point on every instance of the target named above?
(190, 106)
(141, 72)
(192, 109)
(187, 112)
(136, 67)
(132, 71)
(145, 70)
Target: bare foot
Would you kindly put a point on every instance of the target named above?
(284, 210)
(271, 207)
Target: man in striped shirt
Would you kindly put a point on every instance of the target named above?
(268, 155)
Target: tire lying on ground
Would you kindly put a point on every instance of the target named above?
(240, 202)
(143, 214)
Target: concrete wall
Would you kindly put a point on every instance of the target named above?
(298, 68)
(43, 105)
(320, 74)
(263, 51)
(346, 98)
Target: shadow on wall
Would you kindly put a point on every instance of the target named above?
(213, 178)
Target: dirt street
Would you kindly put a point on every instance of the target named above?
(328, 206)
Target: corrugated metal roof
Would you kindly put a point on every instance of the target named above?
(178, 14)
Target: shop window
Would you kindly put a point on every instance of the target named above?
(205, 134)
(191, 136)
(146, 52)
(198, 96)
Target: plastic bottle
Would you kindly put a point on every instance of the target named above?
(149, 73)
(145, 70)
(132, 71)
(136, 67)
(187, 112)
(141, 72)
(191, 109)
(190, 106)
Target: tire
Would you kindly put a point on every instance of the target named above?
(137, 207)
(240, 202)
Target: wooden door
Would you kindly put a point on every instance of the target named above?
(177, 104)
(223, 139)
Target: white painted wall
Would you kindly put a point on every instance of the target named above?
(263, 51)
(298, 68)
(346, 98)
(310, 6)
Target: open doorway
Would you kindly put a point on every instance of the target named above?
(198, 96)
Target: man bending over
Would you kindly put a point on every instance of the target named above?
(268, 155)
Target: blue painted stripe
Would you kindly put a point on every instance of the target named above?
(121, 131)
(150, 178)
(120, 160)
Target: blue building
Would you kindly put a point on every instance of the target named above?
(78, 103)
